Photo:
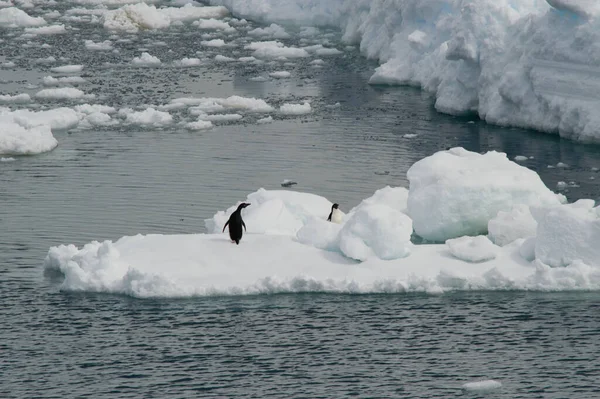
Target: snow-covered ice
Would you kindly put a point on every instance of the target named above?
(291, 247)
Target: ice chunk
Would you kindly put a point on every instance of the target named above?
(484, 385)
(457, 192)
(375, 229)
(567, 233)
(506, 227)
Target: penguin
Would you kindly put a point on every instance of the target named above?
(235, 223)
(336, 215)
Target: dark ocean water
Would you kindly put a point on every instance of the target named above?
(106, 183)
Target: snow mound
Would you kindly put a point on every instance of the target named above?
(376, 230)
(457, 192)
(472, 249)
(274, 212)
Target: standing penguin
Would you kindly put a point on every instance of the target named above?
(335, 215)
(235, 223)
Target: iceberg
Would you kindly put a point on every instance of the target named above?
(530, 63)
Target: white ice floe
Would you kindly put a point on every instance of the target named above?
(18, 140)
(222, 58)
(290, 246)
(187, 62)
(210, 104)
(262, 121)
(146, 60)
(457, 192)
(275, 49)
(16, 99)
(48, 60)
(222, 117)
(71, 80)
(149, 117)
(213, 43)
(280, 74)
(62, 93)
(100, 46)
(200, 124)
(295, 109)
(47, 30)
(272, 31)
(133, 17)
(484, 385)
(213, 24)
(13, 17)
(67, 69)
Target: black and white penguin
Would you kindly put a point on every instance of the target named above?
(335, 215)
(235, 223)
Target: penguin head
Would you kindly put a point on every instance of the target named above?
(242, 206)
(335, 206)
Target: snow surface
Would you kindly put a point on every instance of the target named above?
(291, 247)
(528, 63)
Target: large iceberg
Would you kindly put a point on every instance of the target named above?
(528, 63)
(291, 247)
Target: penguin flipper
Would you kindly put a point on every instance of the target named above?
(329, 218)
(244, 224)
(225, 226)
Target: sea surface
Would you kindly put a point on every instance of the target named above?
(105, 183)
